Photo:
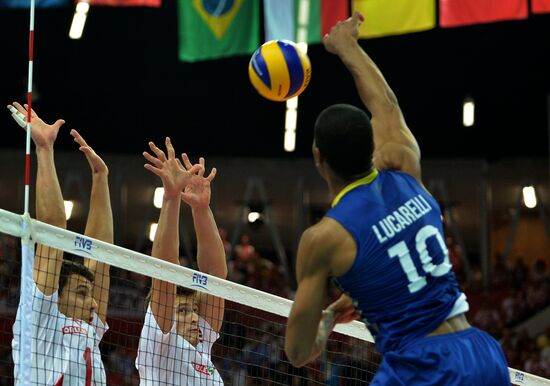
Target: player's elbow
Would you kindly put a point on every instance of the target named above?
(296, 355)
(220, 272)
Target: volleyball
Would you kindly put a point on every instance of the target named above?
(279, 70)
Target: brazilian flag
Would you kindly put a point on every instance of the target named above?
(210, 29)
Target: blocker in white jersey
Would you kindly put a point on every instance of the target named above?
(169, 359)
(181, 325)
(65, 351)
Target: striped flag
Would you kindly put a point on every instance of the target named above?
(322, 16)
(38, 3)
(455, 13)
(383, 17)
(126, 3)
(540, 6)
(279, 20)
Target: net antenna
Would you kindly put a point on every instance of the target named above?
(27, 245)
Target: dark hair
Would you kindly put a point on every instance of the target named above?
(343, 134)
(184, 291)
(68, 268)
(180, 291)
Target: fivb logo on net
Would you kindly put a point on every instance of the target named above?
(200, 281)
(519, 376)
(83, 244)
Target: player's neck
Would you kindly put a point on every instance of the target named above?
(336, 184)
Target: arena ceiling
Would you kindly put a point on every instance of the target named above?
(122, 85)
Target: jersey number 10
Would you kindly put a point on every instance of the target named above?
(401, 250)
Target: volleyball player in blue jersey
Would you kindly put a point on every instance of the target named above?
(383, 243)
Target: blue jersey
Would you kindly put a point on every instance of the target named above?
(401, 278)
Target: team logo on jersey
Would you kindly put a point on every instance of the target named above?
(200, 281)
(83, 244)
(203, 369)
(70, 330)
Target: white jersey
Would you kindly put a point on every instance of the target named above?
(168, 359)
(65, 351)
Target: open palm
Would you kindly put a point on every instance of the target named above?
(97, 164)
(197, 193)
(42, 134)
(169, 168)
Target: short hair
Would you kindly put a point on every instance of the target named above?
(343, 134)
(184, 291)
(68, 268)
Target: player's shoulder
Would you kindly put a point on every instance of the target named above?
(325, 240)
(327, 232)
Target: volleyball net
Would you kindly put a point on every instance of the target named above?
(53, 346)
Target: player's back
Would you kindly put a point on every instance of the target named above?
(401, 278)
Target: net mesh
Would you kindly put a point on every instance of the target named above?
(249, 350)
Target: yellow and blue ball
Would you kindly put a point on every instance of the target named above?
(279, 70)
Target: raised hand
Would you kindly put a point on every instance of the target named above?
(42, 134)
(174, 176)
(343, 34)
(96, 163)
(197, 193)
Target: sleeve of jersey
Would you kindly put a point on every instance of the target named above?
(155, 347)
(99, 327)
(207, 337)
(44, 307)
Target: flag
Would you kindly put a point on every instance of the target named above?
(333, 11)
(279, 20)
(217, 28)
(311, 18)
(455, 13)
(322, 16)
(126, 3)
(383, 17)
(38, 3)
(540, 6)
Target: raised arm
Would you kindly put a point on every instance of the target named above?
(166, 244)
(210, 250)
(49, 200)
(395, 145)
(99, 224)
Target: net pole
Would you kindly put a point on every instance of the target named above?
(29, 109)
(27, 245)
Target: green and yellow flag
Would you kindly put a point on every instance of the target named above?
(210, 29)
(383, 17)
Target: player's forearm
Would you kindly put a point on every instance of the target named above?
(166, 243)
(371, 85)
(100, 216)
(210, 250)
(166, 247)
(49, 199)
(100, 226)
(311, 347)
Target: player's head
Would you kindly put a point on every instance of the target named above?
(187, 314)
(76, 291)
(343, 141)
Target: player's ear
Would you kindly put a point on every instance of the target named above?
(317, 157)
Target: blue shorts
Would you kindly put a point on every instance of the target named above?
(469, 357)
